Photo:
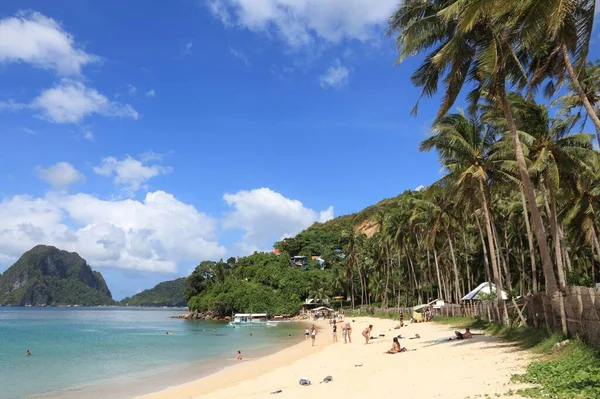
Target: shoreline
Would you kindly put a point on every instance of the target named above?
(455, 369)
(168, 377)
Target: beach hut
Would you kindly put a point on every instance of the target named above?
(481, 290)
(417, 313)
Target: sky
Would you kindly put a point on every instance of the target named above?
(149, 136)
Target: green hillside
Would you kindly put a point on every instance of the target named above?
(46, 275)
(167, 293)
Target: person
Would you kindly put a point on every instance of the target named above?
(335, 331)
(395, 346)
(367, 333)
(349, 331)
(214, 330)
(313, 334)
(28, 353)
(466, 335)
(306, 333)
(345, 333)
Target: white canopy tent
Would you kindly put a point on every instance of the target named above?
(485, 289)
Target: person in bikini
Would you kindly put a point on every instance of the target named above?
(367, 333)
(395, 347)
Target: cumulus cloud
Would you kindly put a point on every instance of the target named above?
(154, 235)
(336, 76)
(265, 216)
(60, 175)
(129, 173)
(71, 101)
(151, 93)
(303, 22)
(33, 38)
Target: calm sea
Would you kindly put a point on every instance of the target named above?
(118, 353)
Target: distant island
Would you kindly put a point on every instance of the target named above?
(46, 275)
(167, 293)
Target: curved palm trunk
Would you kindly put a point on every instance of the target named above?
(501, 306)
(538, 224)
(530, 242)
(585, 101)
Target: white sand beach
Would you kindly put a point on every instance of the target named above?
(455, 369)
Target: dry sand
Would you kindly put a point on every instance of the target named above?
(455, 369)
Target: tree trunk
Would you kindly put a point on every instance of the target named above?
(486, 264)
(585, 101)
(441, 293)
(530, 242)
(522, 253)
(467, 263)
(550, 204)
(538, 223)
(563, 245)
(500, 305)
(507, 262)
(597, 246)
(455, 266)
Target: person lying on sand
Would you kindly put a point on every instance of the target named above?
(395, 347)
(466, 335)
(367, 333)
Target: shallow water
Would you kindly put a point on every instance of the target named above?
(118, 352)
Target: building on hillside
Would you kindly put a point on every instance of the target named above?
(320, 260)
(277, 252)
(299, 260)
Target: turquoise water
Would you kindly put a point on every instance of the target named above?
(115, 352)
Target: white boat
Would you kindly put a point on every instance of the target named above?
(249, 319)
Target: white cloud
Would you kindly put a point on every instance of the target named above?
(265, 216)
(33, 38)
(71, 101)
(131, 89)
(187, 50)
(60, 175)
(303, 22)
(239, 54)
(420, 187)
(88, 135)
(129, 173)
(151, 93)
(154, 235)
(336, 76)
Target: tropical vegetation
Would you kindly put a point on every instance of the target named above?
(519, 195)
(167, 293)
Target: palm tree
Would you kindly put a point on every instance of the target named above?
(590, 82)
(318, 291)
(472, 41)
(556, 30)
(463, 145)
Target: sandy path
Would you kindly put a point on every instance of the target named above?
(456, 369)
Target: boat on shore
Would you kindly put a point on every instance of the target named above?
(249, 319)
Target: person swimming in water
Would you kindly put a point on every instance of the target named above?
(28, 353)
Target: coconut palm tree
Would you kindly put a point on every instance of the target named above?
(464, 145)
(472, 41)
(559, 32)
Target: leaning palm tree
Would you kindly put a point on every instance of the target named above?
(590, 82)
(559, 32)
(464, 145)
(472, 42)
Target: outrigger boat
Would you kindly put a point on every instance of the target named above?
(249, 319)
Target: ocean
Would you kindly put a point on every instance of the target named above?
(119, 352)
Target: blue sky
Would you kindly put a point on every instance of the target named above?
(148, 136)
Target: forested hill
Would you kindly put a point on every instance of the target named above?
(269, 282)
(46, 275)
(167, 293)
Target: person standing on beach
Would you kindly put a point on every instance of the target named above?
(349, 331)
(313, 334)
(306, 333)
(345, 334)
(367, 333)
(239, 355)
(335, 331)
